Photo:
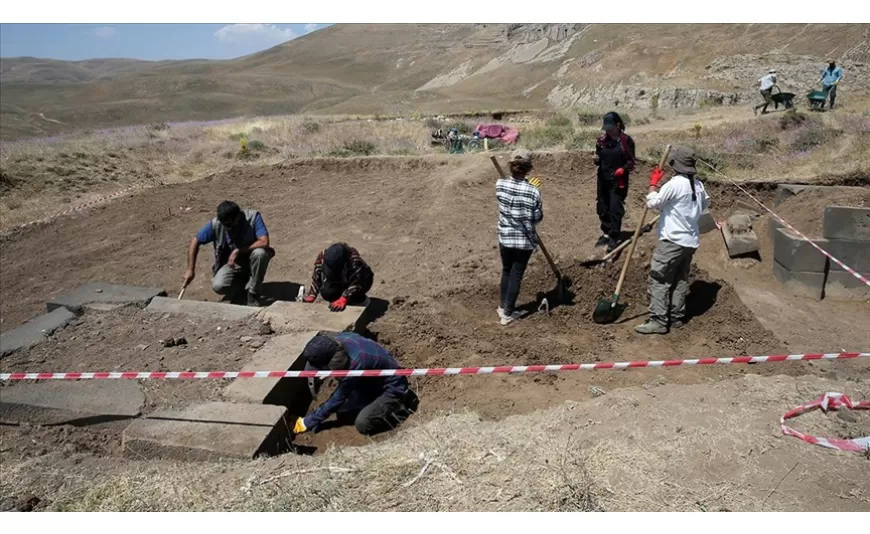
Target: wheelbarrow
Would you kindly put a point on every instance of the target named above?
(783, 99)
(817, 99)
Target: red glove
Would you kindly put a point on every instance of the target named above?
(339, 305)
(655, 177)
(309, 299)
(619, 173)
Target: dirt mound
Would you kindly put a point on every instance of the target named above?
(806, 210)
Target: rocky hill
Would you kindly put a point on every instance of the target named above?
(411, 68)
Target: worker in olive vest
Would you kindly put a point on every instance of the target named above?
(241, 252)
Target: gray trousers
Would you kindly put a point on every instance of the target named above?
(669, 282)
(249, 272)
(382, 414)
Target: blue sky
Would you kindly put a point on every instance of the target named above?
(144, 41)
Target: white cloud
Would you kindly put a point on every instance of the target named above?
(310, 27)
(255, 32)
(105, 32)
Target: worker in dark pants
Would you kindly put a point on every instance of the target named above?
(830, 79)
(341, 277)
(373, 404)
(614, 156)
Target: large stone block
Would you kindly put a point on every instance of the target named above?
(70, 402)
(739, 244)
(34, 331)
(210, 431)
(844, 222)
(811, 285)
(101, 296)
(796, 254)
(844, 286)
(289, 317)
(281, 353)
(204, 310)
(855, 254)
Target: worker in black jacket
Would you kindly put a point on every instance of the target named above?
(614, 157)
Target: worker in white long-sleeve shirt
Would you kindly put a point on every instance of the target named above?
(765, 85)
(681, 201)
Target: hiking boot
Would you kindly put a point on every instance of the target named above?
(651, 327)
(603, 240)
(612, 244)
(255, 300)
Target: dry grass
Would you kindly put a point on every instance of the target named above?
(635, 449)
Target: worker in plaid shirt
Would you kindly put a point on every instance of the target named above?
(341, 277)
(519, 211)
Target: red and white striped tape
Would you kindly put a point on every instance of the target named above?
(437, 371)
(845, 267)
(828, 401)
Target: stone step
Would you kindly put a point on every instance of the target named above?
(281, 353)
(34, 331)
(210, 431)
(290, 317)
(201, 309)
(796, 254)
(102, 296)
(70, 402)
(846, 222)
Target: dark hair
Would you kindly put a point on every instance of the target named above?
(520, 167)
(227, 211)
(617, 119)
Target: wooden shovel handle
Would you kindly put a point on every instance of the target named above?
(637, 232)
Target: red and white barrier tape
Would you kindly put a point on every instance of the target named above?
(828, 401)
(438, 371)
(845, 267)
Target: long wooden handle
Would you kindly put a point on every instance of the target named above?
(540, 239)
(625, 243)
(181, 294)
(637, 231)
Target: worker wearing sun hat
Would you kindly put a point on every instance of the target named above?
(765, 85)
(372, 404)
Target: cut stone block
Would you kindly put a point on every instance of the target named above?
(811, 285)
(34, 331)
(739, 223)
(843, 286)
(103, 296)
(844, 222)
(739, 244)
(281, 353)
(796, 254)
(855, 254)
(70, 402)
(205, 310)
(210, 431)
(706, 223)
(287, 317)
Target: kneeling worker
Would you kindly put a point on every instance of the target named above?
(373, 404)
(681, 201)
(341, 277)
(241, 252)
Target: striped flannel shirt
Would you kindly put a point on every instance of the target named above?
(352, 273)
(519, 210)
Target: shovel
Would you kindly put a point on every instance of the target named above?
(560, 286)
(607, 311)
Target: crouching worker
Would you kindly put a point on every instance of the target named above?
(681, 202)
(372, 404)
(241, 252)
(341, 277)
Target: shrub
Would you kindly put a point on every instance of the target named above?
(257, 146)
(461, 127)
(310, 127)
(559, 121)
(587, 118)
(237, 136)
(360, 148)
(791, 118)
(766, 143)
(580, 141)
(654, 104)
(158, 126)
(546, 137)
(813, 137)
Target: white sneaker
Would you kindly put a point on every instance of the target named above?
(515, 316)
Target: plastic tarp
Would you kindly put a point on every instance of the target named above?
(497, 131)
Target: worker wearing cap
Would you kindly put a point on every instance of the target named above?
(830, 79)
(341, 277)
(520, 210)
(681, 201)
(373, 404)
(614, 156)
(766, 84)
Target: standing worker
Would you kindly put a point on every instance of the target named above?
(681, 202)
(341, 277)
(765, 85)
(520, 210)
(614, 156)
(241, 252)
(373, 404)
(830, 79)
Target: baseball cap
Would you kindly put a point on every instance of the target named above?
(682, 160)
(522, 155)
(772, 71)
(609, 121)
(333, 260)
(318, 352)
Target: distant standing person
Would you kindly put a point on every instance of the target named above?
(241, 252)
(830, 79)
(681, 202)
(765, 85)
(520, 210)
(341, 277)
(614, 156)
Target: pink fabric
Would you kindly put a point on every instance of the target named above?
(497, 131)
